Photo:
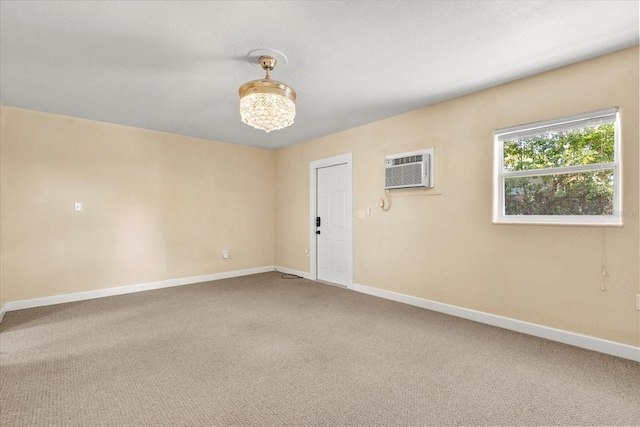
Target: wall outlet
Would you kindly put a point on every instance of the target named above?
(225, 254)
(361, 214)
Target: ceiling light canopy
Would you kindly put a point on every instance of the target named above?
(267, 104)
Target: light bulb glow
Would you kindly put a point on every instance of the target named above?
(267, 111)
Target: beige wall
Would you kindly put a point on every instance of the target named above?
(156, 206)
(443, 247)
(159, 207)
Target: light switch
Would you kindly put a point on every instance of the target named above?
(77, 206)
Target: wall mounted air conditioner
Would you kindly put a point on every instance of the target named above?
(409, 170)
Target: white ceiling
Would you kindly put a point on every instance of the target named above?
(175, 66)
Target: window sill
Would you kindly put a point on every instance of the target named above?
(577, 220)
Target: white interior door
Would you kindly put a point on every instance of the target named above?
(332, 233)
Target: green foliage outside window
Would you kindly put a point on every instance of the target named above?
(577, 193)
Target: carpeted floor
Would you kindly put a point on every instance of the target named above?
(261, 350)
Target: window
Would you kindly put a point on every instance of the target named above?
(561, 171)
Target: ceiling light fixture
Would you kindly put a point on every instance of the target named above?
(267, 104)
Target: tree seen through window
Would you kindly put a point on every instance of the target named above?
(560, 192)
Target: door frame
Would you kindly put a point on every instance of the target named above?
(313, 175)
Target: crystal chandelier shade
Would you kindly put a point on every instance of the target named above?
(267, 104)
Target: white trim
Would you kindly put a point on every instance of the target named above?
(121, 290)
(286, 270)
(499, 175)
(505, 133)
(532, 173)
(583, 341)
(313, 166)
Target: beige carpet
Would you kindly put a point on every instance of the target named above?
(260, 350)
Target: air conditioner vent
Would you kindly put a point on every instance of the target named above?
(409, 170)
(408, 159)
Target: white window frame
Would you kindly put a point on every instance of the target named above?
(499, 174)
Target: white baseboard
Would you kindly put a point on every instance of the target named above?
(286, 270)
(120, 290)
(583, 341)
